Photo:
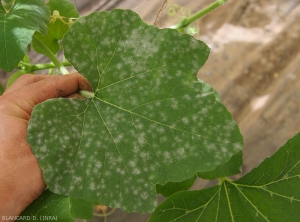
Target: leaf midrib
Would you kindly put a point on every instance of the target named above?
(112, 138)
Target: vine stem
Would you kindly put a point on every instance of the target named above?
(43, 66)
(105, 214)
(50, 55)
(186, 21)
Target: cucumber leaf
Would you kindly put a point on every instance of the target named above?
(268, 193)
(17, 27)
(150, 121)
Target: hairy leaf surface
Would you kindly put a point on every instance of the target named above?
(151, 121)
(17, 27)
(268, 193)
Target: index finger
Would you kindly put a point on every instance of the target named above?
(25, 98)
(58, 86)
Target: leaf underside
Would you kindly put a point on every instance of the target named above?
(173, 187)
(17, 27)
(268, 193)
(151, 121)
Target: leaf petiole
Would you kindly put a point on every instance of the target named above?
(50, 55)
(43, 66)
(186, 21)
(86, 94)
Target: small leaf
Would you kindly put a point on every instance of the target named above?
(173, 187)
(57, 28)
(232, 167)
(150, 122)
(81, 209)
(269, 192)
(17, 27)
(48, 207)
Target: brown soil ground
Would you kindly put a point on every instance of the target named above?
(254, 65)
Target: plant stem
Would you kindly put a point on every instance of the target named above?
(185, 22)
(105, 214)
(42, 66)
(50, 55)
(51, 71)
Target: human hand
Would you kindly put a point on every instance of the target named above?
(21, 179)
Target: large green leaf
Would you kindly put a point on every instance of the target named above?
(149, 122)
(48, 207)
(269, 192)
(59, 27)
(17, 27)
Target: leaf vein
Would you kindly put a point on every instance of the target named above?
(110, 134)
(252, 204)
